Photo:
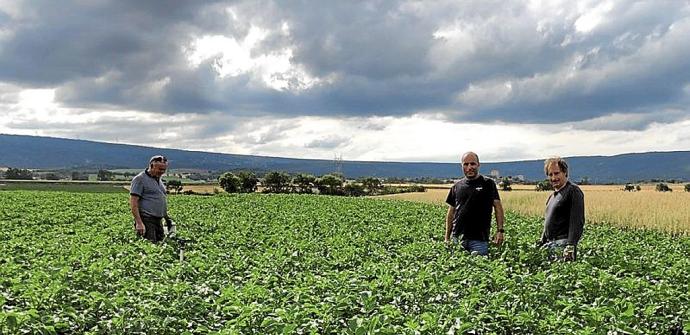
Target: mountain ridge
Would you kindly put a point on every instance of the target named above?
(38, 152)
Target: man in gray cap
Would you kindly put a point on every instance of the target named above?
(148, 201)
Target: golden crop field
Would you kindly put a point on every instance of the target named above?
(203, 188)
(668, 211)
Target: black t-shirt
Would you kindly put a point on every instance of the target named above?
(473, 200)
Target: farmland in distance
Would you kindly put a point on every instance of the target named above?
(666, 211)
(266, 264)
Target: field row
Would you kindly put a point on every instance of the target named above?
(264, 264)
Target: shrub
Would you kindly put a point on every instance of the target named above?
(20, 174)
(248, 181)
(371, 185)
(354, 190)
(544, 185)
(304, 183)
(277, 182)
(53, 176)
(402, 189)
(687, 187)
(229, 182)
(174, 185)
(80, 175)
(504, 184)
(629, 188)
(105, 175)
(663, 187)
(330, 184)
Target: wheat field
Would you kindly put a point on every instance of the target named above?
(667, 211)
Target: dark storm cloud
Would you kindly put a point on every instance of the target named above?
(56, 42)
(639, 121)
(478, 61)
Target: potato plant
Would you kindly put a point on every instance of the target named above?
(304, 264)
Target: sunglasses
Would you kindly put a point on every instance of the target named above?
(158, 158)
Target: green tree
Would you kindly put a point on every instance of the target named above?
(276, 182)
(354, 190)
(687, 187)
(248, 181)
(663, 187)
(53, 176)
(304, 183)
(544, 185)
(330, 184)
(371, 185)
(229, 182)
(174, 185)
(20, 174)
(105, 175)
(76, 175)
(505, 183)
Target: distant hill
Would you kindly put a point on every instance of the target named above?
(57, 153)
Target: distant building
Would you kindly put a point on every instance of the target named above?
(495, 174)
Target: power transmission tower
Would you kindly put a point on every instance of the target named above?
(338, 162)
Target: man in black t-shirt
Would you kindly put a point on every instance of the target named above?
(470, 203)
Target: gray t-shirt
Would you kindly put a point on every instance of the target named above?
(151, 193)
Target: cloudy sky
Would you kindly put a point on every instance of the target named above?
(374, 80)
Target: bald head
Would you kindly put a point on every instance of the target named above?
(470, 165)
(469, 154)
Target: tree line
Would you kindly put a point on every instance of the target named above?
(329, 184)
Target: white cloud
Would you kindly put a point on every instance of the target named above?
(414, 138)
(232, 58)
(592, 17)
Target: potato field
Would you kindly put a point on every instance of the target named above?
(303, 264)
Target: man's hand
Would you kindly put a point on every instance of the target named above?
(569, 253)
(172, 228)
(141, 230)
(499, 238)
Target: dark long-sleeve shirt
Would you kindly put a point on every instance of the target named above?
(565, 215)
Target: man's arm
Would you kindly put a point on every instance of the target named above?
(500, 220)
(449, 222)
(138, 223)
(577, 217)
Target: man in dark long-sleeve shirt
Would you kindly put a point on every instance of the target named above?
(564, 217)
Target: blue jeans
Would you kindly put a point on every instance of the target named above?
(474, 246)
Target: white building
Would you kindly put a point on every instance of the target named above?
(495, 174)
